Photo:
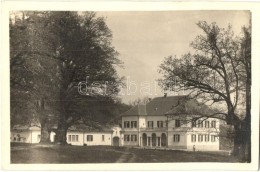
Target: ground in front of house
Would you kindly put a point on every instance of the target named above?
(36, 153)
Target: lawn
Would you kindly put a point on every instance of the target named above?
(27, 153)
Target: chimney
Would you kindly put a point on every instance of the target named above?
(165, 95)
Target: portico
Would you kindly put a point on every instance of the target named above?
(153, 139)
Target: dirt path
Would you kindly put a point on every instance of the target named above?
(126, 156)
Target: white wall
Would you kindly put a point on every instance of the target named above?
(52, 136)
(116, 132)
(35, 138)
(76, 142)
(155, 119)
(130, 143)
(182, 144)
(130, 118)
(142, 121)
(202, 146)
(97, 139)
(26, 136)
(31, 136)
(186, 122)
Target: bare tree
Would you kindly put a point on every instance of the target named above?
(138, 101)
(217, 74)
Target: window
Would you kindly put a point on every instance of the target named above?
(213, 138)
(200, 123)
(133, 137)
(126, 138)
(103, 138)
(176, 138)
(200, 138)
(193, 138)
(159, 124)
(133, 124)
(73, 138)
(177, 123)
(38, 137)
(206, 124)
(89, 138)
(213, 124)
(126, 124)
(18, 137)
(206, 138)
(193, 123)
(150, 124)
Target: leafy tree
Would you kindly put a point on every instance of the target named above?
(33, 89)
(84, 49)
(218, 73)
(61, 50)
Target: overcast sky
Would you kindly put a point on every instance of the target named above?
(143, 39)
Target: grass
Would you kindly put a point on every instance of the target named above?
(28, 153)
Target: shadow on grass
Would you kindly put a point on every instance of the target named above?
(57, 154)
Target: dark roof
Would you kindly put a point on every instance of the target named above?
(157, 106)
(25, 127)
(85, 128)
(136, 110)
(171, 105)
(190, 106)
(161, 105)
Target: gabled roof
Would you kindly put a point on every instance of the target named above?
(136, 110)
(85, 128)
(25, 127)
(190, 106)
(161, 105)
(171, 105)
(156, 107)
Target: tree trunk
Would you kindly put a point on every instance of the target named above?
(237, 142)
(241, 146)
(248, 149)
(61, 133)
(247, 135)
(45, 134)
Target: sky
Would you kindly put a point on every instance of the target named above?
(143, 39)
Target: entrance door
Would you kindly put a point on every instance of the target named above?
(153, 139)
(116, 141)
(163, 139)
(144, 139)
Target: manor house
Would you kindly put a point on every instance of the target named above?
(174, 122)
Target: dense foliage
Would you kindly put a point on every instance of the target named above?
(50, 54)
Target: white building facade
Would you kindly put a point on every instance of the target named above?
(74, 137)
(26, 134)
(165, 122)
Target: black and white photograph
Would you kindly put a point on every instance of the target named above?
(97, 86)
